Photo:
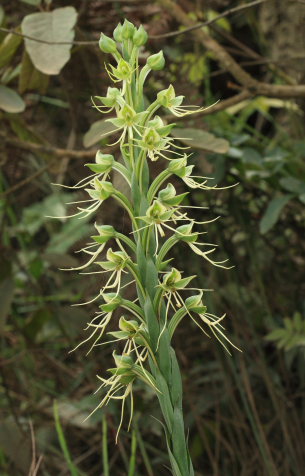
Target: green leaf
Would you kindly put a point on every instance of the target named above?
(6, 298)
(293, 185)
(273, 212)
(200, 139)
(251, 156)
(179, 447)
(55, 26)
(97, 131)
(34, 216)
(70, 233)
(2, 15)
(10, 101)
(8, 48)
(30, 77)
(63, 443)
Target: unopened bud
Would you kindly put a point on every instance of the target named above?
(128, 30)
(107, 45)
(117, 33)
(156, 62)
(140, 37)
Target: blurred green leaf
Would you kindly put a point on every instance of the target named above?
(290, 336)
(36, 215)
(8, 48)
(54, 26)
(293, 185)
(200, 139)
(10, 101)
(273, 212)
(97, 131)
(30, 77)
(6, 297)
(71, 232)
(36, 322)
(13, 442)
(2, 15)
(251, 156)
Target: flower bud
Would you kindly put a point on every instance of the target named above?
(140, 36)
(156, 62)
(117, 33)
(107, 45)
(128, 30)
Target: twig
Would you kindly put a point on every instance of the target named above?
(56, 152)
(228, 62)
(32, 38)
(226, 13)
(25, 181)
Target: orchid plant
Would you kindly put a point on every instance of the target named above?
(141, 258)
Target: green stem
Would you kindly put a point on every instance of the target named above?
(156, 184)
(122, 171)
(132, 463)
(105, 447)
(165, 249)
(127, 241)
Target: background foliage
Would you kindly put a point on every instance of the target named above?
(245, 414)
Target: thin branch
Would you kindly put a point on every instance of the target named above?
(48, 149)
(32, 38)
(228, 62)
(226, 13)
(27, 180)
(153, 37)
(56, 152)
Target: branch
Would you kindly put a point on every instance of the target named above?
(226, 13)
(56, 152)
(228, 62)
(26, 180)
(32, 38)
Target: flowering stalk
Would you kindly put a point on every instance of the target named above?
(159, 222)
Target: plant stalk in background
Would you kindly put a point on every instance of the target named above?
(159, 221)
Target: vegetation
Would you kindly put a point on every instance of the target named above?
(243, 414)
